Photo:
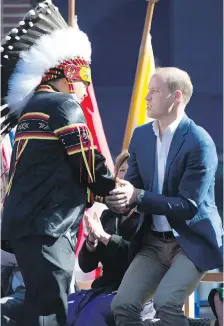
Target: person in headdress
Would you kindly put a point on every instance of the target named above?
(55, 167)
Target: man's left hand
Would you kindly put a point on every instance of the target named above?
(122, 196)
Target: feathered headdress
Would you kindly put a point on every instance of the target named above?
(41, 48)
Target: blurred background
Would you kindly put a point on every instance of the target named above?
(186, 34)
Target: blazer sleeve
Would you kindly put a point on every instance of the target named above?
(132, 174)
(69, 125)
(198, 175)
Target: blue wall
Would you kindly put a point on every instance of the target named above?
(197, 45)
(186, 34)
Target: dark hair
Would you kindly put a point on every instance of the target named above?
(121, 159)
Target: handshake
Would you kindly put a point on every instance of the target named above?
(121, 201)
(122, 197)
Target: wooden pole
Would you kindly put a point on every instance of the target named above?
(139, 76)
(71, 13)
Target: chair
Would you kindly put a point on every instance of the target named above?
(216, 277)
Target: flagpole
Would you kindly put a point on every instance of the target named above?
(71, 13)
(139, 76)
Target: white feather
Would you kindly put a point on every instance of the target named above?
(49, 51)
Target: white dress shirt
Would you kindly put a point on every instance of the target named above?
(160, 222)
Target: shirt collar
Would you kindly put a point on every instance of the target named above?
(171, 128)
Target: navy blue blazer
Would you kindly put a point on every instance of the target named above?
(188, 198)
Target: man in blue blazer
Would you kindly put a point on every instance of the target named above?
(170, 179)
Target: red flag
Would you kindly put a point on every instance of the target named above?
(94, 123)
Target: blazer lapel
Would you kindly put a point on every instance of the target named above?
(177, 142)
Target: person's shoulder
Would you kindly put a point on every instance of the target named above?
(64, 105)
(62, 100)
(145, 128)
(200, 136)
(49, 102)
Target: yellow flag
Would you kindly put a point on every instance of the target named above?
(137, 112)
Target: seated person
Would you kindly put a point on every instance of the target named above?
(107, 242)
(13, 288)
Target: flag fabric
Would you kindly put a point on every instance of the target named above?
(94, 123)
(150, 69)
(137, 112)
(6, 145)
(6, 151)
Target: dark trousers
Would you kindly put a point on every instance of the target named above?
(47, 265)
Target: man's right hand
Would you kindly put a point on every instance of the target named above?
(111, 207)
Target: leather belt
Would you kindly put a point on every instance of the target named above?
(164, 235)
